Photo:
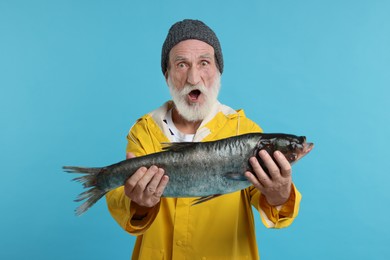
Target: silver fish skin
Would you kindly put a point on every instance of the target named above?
(196, 169)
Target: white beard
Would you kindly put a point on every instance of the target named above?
(195, 111)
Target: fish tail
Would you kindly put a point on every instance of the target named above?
(91, 196)
(75, 169)
(88, 180)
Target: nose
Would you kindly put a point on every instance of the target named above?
(193, 76)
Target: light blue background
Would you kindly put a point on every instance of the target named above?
(75, 75)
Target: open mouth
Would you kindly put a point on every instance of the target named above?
(308, 147)
(194, 94)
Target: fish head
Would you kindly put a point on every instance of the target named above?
(293, 147)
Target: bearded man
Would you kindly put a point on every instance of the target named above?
(222, 228)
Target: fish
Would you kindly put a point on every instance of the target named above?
(196, 169)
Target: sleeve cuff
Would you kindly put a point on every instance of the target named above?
(122, 211)
(280, 216)
(137, 227)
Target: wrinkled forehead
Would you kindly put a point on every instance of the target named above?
(191, 49)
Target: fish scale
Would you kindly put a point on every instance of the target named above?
(197, 169)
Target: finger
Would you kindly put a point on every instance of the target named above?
(144, 181)
(255, 181)
(270, 164)
(284, 164)
(162, 185)
(129, 155)
(131, 182)
(154, 182)
(259, 172)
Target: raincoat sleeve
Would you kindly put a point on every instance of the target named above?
(276, 216)
(271, 216)
(119, 205)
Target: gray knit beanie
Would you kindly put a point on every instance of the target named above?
(186, 30)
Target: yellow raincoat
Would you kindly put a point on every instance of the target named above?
(222, 228)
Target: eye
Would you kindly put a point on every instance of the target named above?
(204, 63)
(181, 65)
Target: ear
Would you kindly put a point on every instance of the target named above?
(166, 77)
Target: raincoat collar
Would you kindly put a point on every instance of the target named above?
(217, 118)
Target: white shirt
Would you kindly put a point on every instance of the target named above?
(176, 135)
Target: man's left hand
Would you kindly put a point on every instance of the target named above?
(276, 186)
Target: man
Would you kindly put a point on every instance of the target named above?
(222, 228)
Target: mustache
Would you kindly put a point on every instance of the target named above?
(187, 88)
(194, 111)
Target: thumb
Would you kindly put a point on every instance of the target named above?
(130, 155)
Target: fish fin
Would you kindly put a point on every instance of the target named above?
(177, 146)
(204, 199)
(88, 180)
(83, 170)
(235, 176)
(91, 196)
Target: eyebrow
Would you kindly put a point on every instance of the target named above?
(206, 56)
(203, 56)
(180, 58)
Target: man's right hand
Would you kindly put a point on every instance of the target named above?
(146, 186)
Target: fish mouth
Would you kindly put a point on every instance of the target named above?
(307, 147)
(193, 96)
